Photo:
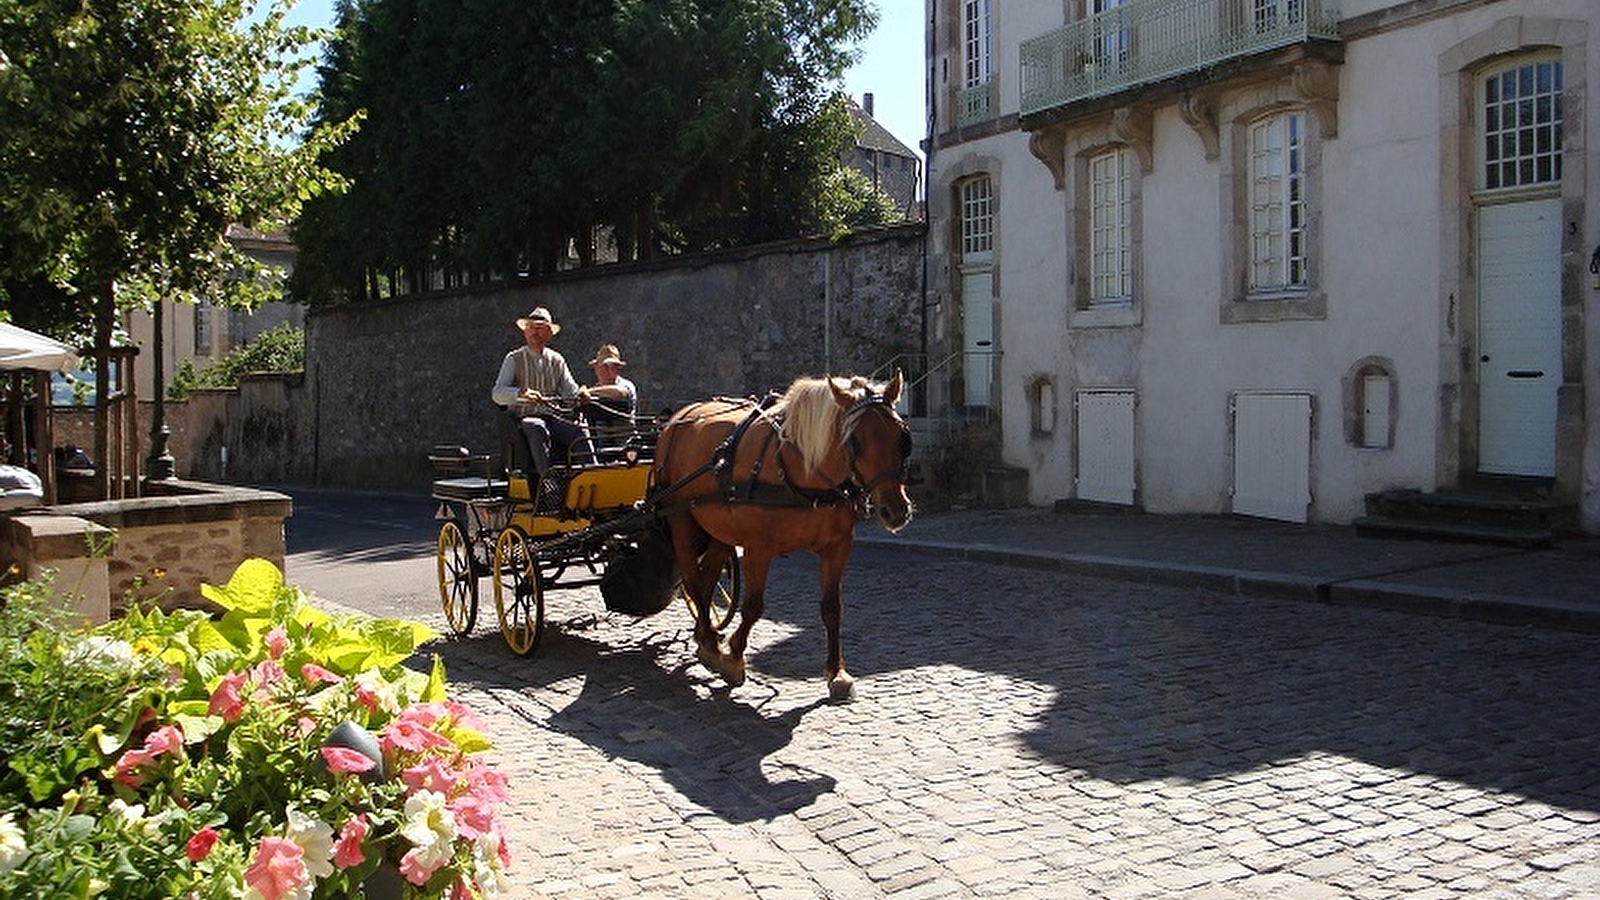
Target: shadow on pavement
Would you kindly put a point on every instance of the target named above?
(638, 700)
(1184, 684)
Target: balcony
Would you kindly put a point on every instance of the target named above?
(974, 103)
(1147, 41)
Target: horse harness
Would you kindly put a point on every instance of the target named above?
(729, 490)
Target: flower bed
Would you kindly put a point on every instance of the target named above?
(275, 753)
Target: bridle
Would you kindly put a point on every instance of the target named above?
(868, 402)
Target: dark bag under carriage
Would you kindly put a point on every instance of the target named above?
(642, 579)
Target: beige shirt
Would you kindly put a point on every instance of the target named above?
(522, 369)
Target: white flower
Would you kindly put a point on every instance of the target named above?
(315, 839)
(430, 827)
(486, 871)
(101, 651)
(13, 843)
(129, 815)
(383, 694)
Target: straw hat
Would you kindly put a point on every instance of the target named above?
(539, 314)
(608, 354)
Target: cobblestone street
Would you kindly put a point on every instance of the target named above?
(1034, 734)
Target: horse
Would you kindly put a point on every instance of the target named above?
(795, 473)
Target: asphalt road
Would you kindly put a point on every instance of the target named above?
(1019, 733)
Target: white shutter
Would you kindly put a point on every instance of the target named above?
(1272, 455)
(1105, 446)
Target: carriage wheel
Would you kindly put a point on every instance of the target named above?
(518, 595)
(724, 594)
(458, 579)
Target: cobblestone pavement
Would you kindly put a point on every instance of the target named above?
(1025, 733)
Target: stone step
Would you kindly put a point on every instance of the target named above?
(1488, 508)
(1525, 537)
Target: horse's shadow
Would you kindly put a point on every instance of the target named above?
(643, 700)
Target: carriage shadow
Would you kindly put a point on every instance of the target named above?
(633, 694)
(1194, 685)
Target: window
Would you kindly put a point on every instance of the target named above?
(975, 39)
(1273, 14)
(1110, 228)
(202, 329)
(1522, 125)
(1277, 175)
(977, 219)
(1111, 39)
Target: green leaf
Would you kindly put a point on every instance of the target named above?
(254, 587)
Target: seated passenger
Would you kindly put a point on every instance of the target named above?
(611, 400)
(532, 375)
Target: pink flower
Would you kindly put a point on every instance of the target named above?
(432, 774)
(487, 783)
(315, 674)
(305, 725)
(343, 759)
(164, 741)
(347, 851)
(278, 870)
(199, 846)
(405, 734)
(277, 642)
(267, 674)
(227, 700)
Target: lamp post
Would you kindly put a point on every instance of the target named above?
(159, 466)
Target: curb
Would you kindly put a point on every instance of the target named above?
(1359, 593)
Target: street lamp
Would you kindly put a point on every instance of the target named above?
(159, 466)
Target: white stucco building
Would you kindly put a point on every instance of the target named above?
(1270, 256)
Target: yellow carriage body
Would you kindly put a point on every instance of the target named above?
(588, 493)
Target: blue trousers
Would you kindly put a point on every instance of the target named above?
(552, 439)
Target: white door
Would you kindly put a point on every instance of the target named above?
(1519, 337)
(977, 329)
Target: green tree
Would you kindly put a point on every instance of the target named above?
(132, 133)
(498, 132)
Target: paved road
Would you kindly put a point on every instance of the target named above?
(1018, 733)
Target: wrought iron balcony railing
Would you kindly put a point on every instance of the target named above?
(974, 103)
(1145, 41)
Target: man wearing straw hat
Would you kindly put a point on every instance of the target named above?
(612, 398)
(531, 376)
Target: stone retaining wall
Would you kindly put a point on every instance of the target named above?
(169, 542)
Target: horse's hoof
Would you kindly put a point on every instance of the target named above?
(842, 689)
(733, 672)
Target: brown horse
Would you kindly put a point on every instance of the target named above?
(794, 474)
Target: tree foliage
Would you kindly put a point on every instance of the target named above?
(132, 133)
(499, 133)
(281, 349)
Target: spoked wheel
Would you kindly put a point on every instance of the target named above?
(518, 595)
(724, 594)
(458, 579)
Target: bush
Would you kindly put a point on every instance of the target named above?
(277, 752)
(282, 349)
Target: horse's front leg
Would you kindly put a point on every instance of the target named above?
(754, 567)
(830, 570)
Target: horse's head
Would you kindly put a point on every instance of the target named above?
(878, 444)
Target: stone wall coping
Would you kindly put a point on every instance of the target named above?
(50, 535)
(180, 502)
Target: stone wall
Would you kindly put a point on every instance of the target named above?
(388, 381)
(385, 382)
(182, 535)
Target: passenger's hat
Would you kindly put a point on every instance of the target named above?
(539, 314)
(607, 355)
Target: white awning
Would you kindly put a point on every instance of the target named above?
(22, 349)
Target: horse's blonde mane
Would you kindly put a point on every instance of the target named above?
(811, 417)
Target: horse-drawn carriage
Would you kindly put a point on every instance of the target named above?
(695, 508)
